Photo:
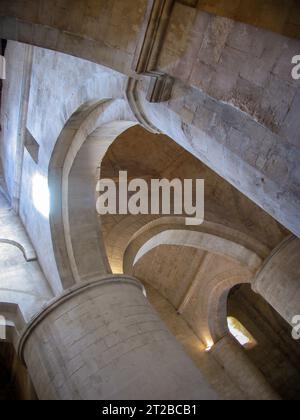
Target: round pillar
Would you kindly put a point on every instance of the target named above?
(279, 280)
(239, 367)
(103, 341)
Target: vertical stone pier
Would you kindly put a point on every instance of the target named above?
(103, 341)
(242, 371)
(279, 280)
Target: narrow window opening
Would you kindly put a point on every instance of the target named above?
(241, 334)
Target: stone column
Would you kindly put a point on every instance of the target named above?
(242, 371)
(279, 280)
(102, 340)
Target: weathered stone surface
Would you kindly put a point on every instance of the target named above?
(233, 106)
(106, 342)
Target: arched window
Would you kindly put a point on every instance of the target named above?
(241, 334)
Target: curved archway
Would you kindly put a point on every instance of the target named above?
(216, 302)
(204, 241)
(246, 164)
(198, 293)
(223, 150)
(247, 256)
(156, 227)
(28, 256)
(22, 283)
(73, 167)
(12, 231)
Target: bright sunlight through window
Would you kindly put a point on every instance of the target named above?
(241, 334)
(41, 195)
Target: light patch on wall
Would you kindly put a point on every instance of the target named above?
(41, 195)
(209, 344)
(2, 68)
(241, 334)
(2, 328)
